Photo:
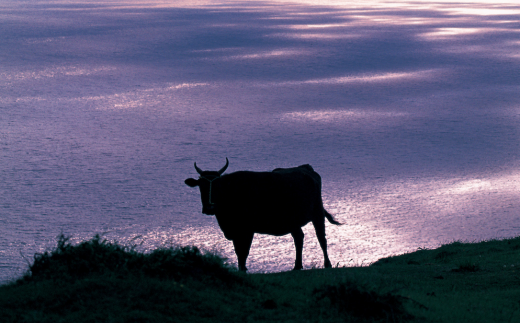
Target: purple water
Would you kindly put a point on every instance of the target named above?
(410, 112)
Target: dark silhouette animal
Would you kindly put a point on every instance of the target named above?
(275, 203)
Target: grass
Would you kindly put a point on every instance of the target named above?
(97, 281)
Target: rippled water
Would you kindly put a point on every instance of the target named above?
(410, 113)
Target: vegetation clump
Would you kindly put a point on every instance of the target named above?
(370, 305)
(98, 257)
(467, 267)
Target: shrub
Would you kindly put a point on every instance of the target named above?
(96, 256)
(467, 267)
(369, 305)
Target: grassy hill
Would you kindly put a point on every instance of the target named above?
(97, 281)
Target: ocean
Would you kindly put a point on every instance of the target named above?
(410, 112)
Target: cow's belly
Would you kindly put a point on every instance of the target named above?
(277, 225)
(272, 232)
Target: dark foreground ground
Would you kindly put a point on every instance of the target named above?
(96, 281)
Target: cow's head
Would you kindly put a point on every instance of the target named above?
(205, 184)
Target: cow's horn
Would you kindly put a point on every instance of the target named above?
(223, 169)
(198, 169)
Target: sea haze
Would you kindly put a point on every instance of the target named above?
(410, 112)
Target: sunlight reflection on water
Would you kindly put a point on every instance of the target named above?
(333, 115)
(369, 78)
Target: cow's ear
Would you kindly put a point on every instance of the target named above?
(191, 182)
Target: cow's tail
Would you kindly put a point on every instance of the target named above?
(330, 218)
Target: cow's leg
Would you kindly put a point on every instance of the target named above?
(298, 243)
(319, 226)
(242, 245)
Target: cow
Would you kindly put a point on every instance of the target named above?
(276, 203)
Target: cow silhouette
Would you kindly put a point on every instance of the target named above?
(277, 203)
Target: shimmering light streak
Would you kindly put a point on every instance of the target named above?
(316, 26)
(138, 98)
(403, 4)
(186, 85)
(440, 33)
(54, 72)
(317, 36)
(485, 11)
(333, 115)
(268, 54)
(372, 78)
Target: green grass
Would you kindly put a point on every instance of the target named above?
(97, 281)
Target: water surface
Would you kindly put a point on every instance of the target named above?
(409, 111)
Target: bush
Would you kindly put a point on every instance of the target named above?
(467, 267)
(348, 298)
(98, 256)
